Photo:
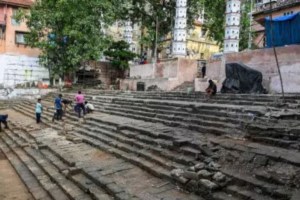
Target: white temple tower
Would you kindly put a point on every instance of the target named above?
(232, 30)
(128, 33)
(180, 32)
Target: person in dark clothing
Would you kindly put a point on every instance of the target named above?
(3, 120)
(212, 89)
(203, 70)
(58, 107)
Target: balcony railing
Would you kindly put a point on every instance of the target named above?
(275, 5)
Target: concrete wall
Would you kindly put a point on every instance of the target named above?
(20, 69)
(31, 93)
(166, 75)
(263, 60)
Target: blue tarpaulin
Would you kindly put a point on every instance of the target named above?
(286, 30)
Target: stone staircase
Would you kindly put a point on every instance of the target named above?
(184, 87)
(216, 151)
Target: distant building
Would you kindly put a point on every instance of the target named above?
(199, 45)
(18, 62)
(262, 10)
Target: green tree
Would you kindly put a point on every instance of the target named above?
(119, 55)
(157, 14)
(215, 19)
(68, 32)
(245, 25)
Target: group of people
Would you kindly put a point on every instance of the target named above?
(61, 106)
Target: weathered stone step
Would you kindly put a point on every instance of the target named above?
(277, 142)
(52, 189)
(275, 153)
(53, 172)
(223, 196)
(189, 119)
(110, 139)
(164, 138)
(30, 181)
(142, 143)
(140, 162)
(200, 128)
(90, 187)
(237, 118)
(275, 191)
(245, 193)
(86, 184)
(276, 131)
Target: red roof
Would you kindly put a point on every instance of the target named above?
(20, 3)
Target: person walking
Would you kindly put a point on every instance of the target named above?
(79, 98)
(58, 107)
(38, 111)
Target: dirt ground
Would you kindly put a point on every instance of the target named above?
(11, 186)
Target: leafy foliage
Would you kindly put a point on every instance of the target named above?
(160, 14)
(68, 32)
(120, 55)
(215, 19)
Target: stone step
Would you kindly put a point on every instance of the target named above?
(200, 128)
(140, 162)
(53, 172)
(44, 180)
(82, 180)
(275, 191)
(168, 165)
(223, 196)
(289, 144)
(245, 193)
(171, 117)
(274, 153)
(141, 142)
(30, 181)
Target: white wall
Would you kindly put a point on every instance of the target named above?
(20, 69)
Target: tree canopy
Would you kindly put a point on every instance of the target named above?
(160, 14)
(119, 55)
(68, 32)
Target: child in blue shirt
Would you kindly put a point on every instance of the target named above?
(38, 111)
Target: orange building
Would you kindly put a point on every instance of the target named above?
(18, 62)
(263, 9)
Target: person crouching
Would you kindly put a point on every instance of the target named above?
(212, 89)
(89, 108)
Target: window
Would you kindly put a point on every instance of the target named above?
(2, 32)
(20, 37)
(14, 22)
(203, 32)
